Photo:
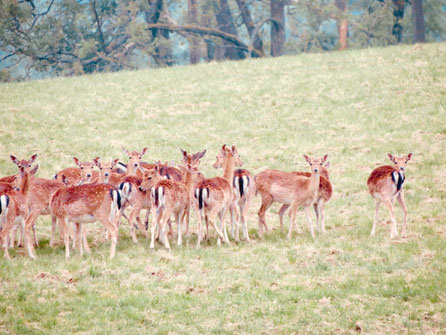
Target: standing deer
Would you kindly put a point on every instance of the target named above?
(84, 173)
(215, 197)
(289, 189)
(385, 184)
(323, 195)
(14, 210)
(244, 187)
(86, 204)
(171, 198)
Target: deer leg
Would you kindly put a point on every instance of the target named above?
(163, 230)
(293, 210)
(132, 217)
(12, 236)
(146, 219)
(200, 223)
(178, 219)
(393, 231)
(80, 238)
(316, 212)
(402, 203)
(64, 226)
(222, 215)
(321, 209)
(266, 203)
(375, 220)
(310, 224)
(155, 223)
(282, 211)
(243, 214)
(53, 230)
(27, 237)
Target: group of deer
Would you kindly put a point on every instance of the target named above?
(79, 195)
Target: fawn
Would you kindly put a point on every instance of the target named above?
(385, 184)
(289, 189)
(323, 195)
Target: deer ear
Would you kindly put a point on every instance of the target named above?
(34, 170)
(156, 168)
(223, 147)
(325, 158)
(32, 159)
(306, 158)
(183, 152)
(96, 162)
(143, 151)
(391, 158)
(202, 154)
(114, 162)
(408, 157)
(76, 161)
(234, 149)
(14, 159)
(64, 180)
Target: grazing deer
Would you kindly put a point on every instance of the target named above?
(289, 189)
(84, 173)
(171, 198)
(86, 204)
(244, 188)
(385, 184)
(215, 197)
(14, 210)
(324, 195)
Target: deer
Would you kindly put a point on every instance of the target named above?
(244, 187)
(215, 197)
(84, 173)
(289, 189)
(14, 210)
(385, 184)
(324, 195)
(171, 198)
(87, 203)
(194, 162)
(27, 165)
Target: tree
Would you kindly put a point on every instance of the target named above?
(226, 24)
(342, 23)
(257, 43)
(277, 27)
(418, 21)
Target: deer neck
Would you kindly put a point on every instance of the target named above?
(25, 184)
(188, 182)
(314, 181)
(229, 168)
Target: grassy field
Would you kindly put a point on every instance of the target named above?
(355, 106)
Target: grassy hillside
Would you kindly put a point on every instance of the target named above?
(355, 106)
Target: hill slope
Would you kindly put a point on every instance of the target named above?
(356, 106)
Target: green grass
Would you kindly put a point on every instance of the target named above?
(356, 106)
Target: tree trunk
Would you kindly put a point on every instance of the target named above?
(342, 24)
(226, 24)
(418, 21)
(163, 52)
(247, 21)
(398, 13)
(194, 42)
(277, 27)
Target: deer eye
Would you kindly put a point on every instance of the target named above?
(82, 167)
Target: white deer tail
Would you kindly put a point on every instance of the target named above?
(116, 203)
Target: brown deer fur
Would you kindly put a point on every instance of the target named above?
(289, 189)
(385, 184)
(86, 204)
(324, 195)
(15, 211)
(215, 196)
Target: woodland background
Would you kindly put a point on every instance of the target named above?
(45, 38)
